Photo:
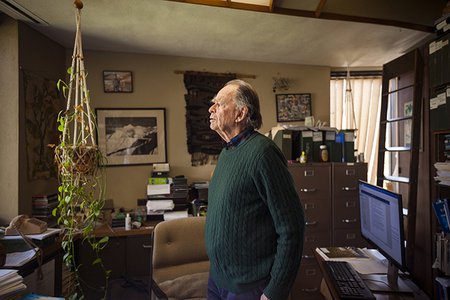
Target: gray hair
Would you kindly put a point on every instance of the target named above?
(247, 96)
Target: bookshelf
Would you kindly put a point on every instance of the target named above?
(439, 103)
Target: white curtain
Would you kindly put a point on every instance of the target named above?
(366, 94)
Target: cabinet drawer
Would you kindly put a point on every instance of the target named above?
(346, 178)
(312, 182)
(307, 283)
(139, 251)
(346, 214)
(317, 215)
(348, 237)
(313, 240)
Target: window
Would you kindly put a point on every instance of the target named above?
(355, 102)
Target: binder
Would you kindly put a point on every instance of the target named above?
(434, 116)
(340, 144)
(349, 145)
(283, 139)
(432, 52)
(307, 144)
(334, 149)
(440, 109)
(317, 141)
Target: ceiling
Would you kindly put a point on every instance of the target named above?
(335, 33)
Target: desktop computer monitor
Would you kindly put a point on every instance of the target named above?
(381, 214)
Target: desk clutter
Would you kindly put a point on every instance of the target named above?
(11, 283)
(316, 144)
(171, 197)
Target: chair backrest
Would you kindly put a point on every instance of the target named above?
(179, 248)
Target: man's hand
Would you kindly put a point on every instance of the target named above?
(263, 297)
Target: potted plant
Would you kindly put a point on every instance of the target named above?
(80, 171)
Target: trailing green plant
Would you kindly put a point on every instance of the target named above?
(81, 190)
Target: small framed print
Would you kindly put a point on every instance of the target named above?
(132, 136)
(118, 81)
(293, 107)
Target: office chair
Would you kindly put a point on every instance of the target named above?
(180, 265)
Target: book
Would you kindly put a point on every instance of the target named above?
(439, 210)
(343, 252)
(442, 287)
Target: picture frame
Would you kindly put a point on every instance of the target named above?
(118, 81)
(132, 136)
(407, 112)
(293, 107)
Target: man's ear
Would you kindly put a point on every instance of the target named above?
(242, 115)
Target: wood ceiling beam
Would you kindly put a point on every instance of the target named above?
(358, 19)
(317, 14)
(320, 7)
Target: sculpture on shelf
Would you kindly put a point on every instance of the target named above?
(79, 161)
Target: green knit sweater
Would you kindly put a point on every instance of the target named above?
(255, 221)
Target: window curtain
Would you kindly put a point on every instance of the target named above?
(204, 144)
(366, 94)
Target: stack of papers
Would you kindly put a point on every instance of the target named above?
(159, 206)
(17, 259)
(364, 261)
(10, 283)
(442, 172)
(41, 236)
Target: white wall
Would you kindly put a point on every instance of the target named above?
(9, 119)
(156, 85)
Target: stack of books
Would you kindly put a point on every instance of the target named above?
(43, 206)
(442, 173)
(11, 284)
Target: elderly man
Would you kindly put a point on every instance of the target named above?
(255, 221)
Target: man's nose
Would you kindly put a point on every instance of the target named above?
(212, 108)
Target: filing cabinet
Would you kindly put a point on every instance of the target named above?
(345, 203)
(329, 195)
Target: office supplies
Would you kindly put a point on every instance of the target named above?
(25, 225)
(346, 281)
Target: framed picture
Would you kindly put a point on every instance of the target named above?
(118, 81)
(132, 136)
(293, 107)
(407, 112)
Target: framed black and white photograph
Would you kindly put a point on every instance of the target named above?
(118, 81)
(293, 107)
(132, 136)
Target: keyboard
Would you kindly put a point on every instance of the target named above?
(347, 282)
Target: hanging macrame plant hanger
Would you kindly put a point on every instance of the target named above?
(78, 151)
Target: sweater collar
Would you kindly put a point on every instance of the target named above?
(235, 141)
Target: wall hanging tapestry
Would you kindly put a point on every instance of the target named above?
(204, 144)
(42, 105)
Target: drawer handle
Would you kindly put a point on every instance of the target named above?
(307, 190)
(310, 223)
(348, 189)
(309, 206)
(147, 246)
(350, 204)
(349, 221)
(307, 256)
(313, 290)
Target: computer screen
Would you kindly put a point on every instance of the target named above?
(381, 214)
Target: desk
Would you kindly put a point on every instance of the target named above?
(328, 291)
(127, 255)
(50, 252)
